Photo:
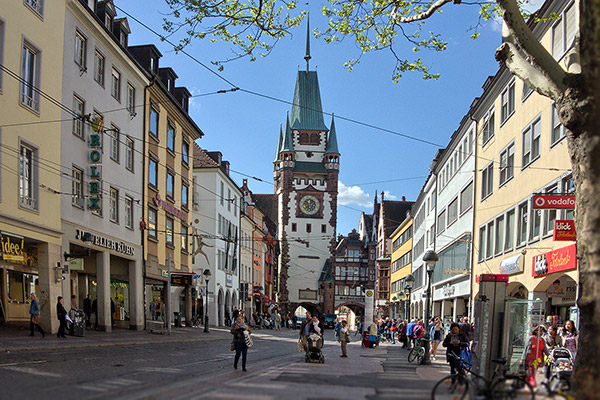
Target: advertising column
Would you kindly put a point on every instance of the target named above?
(369, 297)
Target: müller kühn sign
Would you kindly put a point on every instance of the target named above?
(564, 229)
(170, 208)
(107, 243)
(552, 201)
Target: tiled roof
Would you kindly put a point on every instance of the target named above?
(202, 160)
(394, 213)
(267, 204)
(307, 112)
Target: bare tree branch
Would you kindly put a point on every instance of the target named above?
(418, 17)
(516, 29)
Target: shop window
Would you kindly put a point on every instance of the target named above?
(152, 222)
(487, 181)
(20, 286)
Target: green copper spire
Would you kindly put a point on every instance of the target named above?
(332, 145)
(279, 143)
(288, 143)
(307, 56)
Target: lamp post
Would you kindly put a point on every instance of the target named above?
(394, 307)
(409, 281)
(206, 274)
(430, 259)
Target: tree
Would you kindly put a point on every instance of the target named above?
(256, 25)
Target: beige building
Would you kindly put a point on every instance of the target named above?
(31, 37)
(401, 267)
(522, 151)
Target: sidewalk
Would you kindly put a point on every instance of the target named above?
(14, 339)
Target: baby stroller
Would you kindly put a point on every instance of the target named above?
(314, 353)
(561, 369)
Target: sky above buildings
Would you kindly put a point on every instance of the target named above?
(245, 126)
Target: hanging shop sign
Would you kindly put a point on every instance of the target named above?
(76, 264)
(181, 279)
(105, 242)
(95, 158)
(553, 201)
(13, 248)
(563, 259)
(229, 280)
(564, 230)
(511, 265)
(169, 208)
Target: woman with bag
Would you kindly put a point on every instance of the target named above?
(34, 316)
(241, 339)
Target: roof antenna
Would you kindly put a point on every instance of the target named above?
(307, 56)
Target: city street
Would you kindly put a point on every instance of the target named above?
(192, 364)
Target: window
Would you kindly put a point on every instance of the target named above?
(323, 228)
(228, 199)
(129, 149)
(507, 163)
(129, 212)
(99, 62)
(28, 190)
(508, 102)
(30, 77)
(452, 211)
(222, 193)
(499, 242)
(441, 221)
(482, 242)
(115, 88)
(131, 100)
(184, 237)
(294, 227)
(568, 186)
(531, 142)
(185, 151)
(170, 137)
(535, 223)
(550, 215)
(509, 240)
(235, 206)
(36, 5)
(169, 231)
(563, 32)
(522, 224)
(19, 286)
(114, 205)
(466, 198)
(153, 122)
(487, 181)
(80, 50)
(152, 172)
(77, 187)
(308, 228)
(184, 194)
(78, 112)
(489, 244)
(526, 92)
(488, 126)
(558, 130)
(170, 185)
(152, 221)
(114, 143)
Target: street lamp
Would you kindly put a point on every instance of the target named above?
(206, 274)
(409, 281)
(430, 259)
(394, 306)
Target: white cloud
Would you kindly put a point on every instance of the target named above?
(353, 195)
(194, 103)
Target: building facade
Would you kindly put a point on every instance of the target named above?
(401, 262)
(31, 51)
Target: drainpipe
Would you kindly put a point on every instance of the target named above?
(474, 228)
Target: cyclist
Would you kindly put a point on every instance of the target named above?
(454, 342)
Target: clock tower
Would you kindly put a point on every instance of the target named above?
(306, 169)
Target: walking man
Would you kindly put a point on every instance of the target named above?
(305, 330)
(87, 309)
(34, 316)
(61, 313)
(344, 338)
(277, 321)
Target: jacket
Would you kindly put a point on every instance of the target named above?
(432, 331)
(34, 307)
(454, 344)
(303, 325)
(61, 313)
(409, 328)
(238, 334)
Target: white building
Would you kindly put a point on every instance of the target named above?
(102, 170)
(454, 170)
(216, 221)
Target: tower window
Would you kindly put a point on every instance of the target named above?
(294, 227)
(308, 228)
(323, 228)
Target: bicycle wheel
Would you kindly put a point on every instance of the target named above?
(420, 355)
(512, 388)
(412, 354)
(451, 387)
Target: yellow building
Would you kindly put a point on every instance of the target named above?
(31, 58)
(402, 240)
(522, 151)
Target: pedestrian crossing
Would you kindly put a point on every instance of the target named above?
(109, 385)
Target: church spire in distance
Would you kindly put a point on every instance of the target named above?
(307, 56)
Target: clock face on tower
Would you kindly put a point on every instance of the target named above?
(309, 205)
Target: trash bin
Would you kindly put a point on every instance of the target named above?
(77, 327)
(177, 319)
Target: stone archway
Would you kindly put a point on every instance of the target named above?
(354, 312)
(314, 309)
(220, 305)
(517, 290)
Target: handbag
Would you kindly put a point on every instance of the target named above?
(372, 338)
(300, 346)
(248, 339)
(35, 318)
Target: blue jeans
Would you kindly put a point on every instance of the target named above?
(240, 348)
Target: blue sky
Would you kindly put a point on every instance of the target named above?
(245, 127)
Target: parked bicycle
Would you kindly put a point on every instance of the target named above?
(466, 384)
(417, 353)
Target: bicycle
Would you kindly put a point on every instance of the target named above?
(417, 353)
(466, 383)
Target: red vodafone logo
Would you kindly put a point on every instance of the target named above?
(554, 202)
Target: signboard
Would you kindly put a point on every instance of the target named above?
(229, 280)
(169, 208)
(164, 273)
(562, 291)
(564, 230)
(12, 248)
(563, 259)
(181, 280)
(511, 265)
(105, 242)
(95, 158)
(76, 264)
(369, 298)
(553, 201)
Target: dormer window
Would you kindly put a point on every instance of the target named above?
(123, 39)
(108, 21)
(152, 64)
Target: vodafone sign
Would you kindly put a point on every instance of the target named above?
(549, 201)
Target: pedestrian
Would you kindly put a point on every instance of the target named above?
(317, 326)
(305, 331)
(239, 342)
(402, 334)
(153, 310)
(277, 321)
(409, 332)
(570, 337)
(358, 328)
(552, 338)
(336, 330)
(235, 314)
(393, 330)
(87, 309)
(61, 313)
(436, 333)
(113, 309)
(95, 311)
(466, 327)
(344, 338)
(535, 349)
(157, 310)
(227, 316)
(34, 316)
(454, 343)
(294, 322)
